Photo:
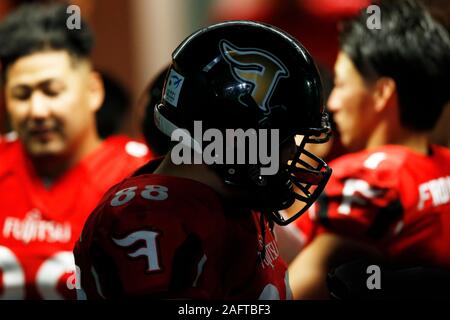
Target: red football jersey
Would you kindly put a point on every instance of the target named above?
(167, 237)
(39, 225)
(391, 197)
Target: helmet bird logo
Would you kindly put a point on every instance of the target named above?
(257, 67)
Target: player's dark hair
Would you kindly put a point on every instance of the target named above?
(412, 49)
(157, 141)
(110, 116)
(35, 27)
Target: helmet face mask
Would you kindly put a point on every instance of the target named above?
(308, 175)
(248, 75)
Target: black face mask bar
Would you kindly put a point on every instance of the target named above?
(308, 175)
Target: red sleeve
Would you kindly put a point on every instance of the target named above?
(362, 199)
(137, 243)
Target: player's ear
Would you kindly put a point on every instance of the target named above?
(96, 91)
(385, 92)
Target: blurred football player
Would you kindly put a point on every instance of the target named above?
(203, 231)
(391, 198)
(54, 168)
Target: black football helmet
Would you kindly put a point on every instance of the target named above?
(244, 74)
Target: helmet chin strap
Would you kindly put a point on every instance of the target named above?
(268, 193)
(276, 193)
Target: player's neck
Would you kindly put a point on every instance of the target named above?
(387, 133)
(51, 168)
(198, 172)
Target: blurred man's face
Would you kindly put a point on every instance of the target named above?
(49, 98)
(351, 103)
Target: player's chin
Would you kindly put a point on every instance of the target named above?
(343, 136)
(37, 148)
(351, 143)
